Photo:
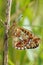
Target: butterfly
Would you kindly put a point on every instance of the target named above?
(23, 38)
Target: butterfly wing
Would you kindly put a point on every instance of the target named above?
(26, 40)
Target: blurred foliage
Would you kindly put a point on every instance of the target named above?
(34, 13)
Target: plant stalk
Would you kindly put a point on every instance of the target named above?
(7, 26)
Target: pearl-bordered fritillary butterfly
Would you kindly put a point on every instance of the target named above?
(23, 38)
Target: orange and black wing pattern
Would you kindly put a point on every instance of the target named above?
(24, 39)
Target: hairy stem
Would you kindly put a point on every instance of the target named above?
(7, 25)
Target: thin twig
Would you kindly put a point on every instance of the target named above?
(7, 25)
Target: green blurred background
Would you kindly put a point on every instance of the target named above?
(31, 18)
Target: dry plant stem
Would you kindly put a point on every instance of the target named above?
(7, 25)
